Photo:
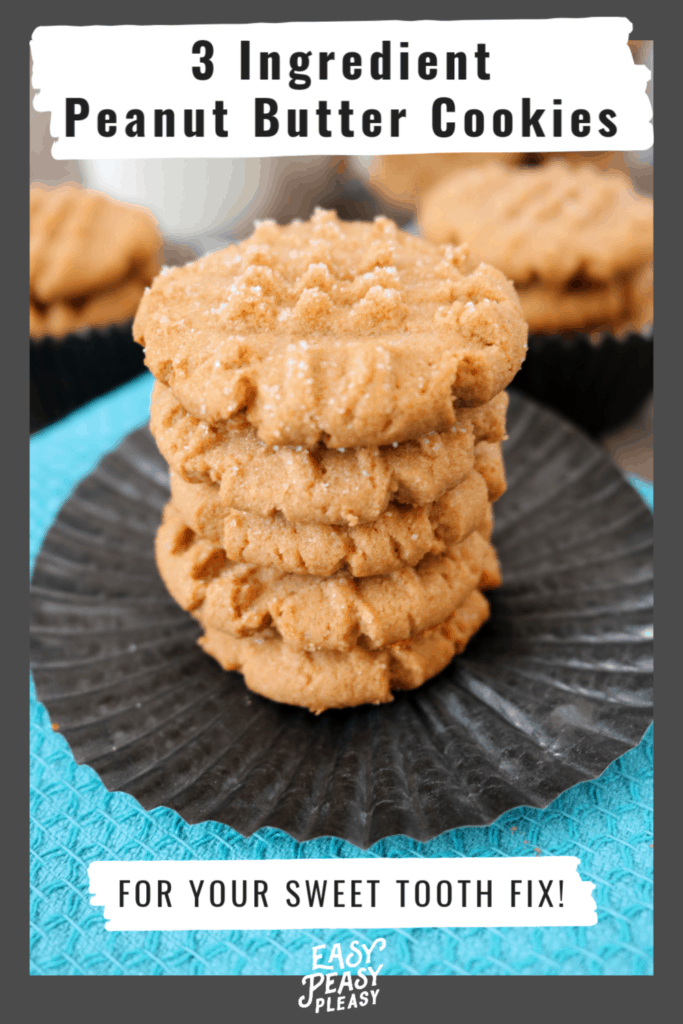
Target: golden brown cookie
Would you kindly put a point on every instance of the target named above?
(313, 613)
(318, 680)
(641, 299)
(488, 461)
(115, 305)
(402, 179)
(588, 307)
(91, 258)
(320, 485)
(345, 333)
(400, 536)
(600, 158)
(554, 224)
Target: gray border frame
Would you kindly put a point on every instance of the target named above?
(404, 999)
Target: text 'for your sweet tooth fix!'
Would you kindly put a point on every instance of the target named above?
(356, 893)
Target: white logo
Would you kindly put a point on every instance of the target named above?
(343, 983)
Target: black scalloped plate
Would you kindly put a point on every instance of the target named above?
(555, 687)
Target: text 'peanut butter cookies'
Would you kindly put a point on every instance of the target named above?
(311, 613)
(400, 536)
(548, 224)
(321, 485)
(344, 333)
(319, 680)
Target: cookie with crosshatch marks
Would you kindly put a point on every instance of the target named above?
(544, 225)
(91, 258)
(341, 333)
(319, 680)
(401, 536)
(309, 613)
(572, 237)
(402, 179)
(321, 485)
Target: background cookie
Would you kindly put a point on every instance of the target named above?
(641, 299)
(547, 224)
(344, 333)
(401, 179)
(571, 237)
(320, 485)
(551, 311)
(91, 258)
(400, 536)
(319, 680)
(599, 158)
(101, 309)
(310, 613)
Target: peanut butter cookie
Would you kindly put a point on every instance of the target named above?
(571, 236)
(319, 680)
(318, 484)
(341, 333)
(402, 179)
(313, 613)
(400, 536)
(91, 258)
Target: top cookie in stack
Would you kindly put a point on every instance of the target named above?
(329, 400)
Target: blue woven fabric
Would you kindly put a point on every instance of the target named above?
(74, 820)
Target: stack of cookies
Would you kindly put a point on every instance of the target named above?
(330, 401)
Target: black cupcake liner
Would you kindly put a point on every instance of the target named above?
(597, 384)
(552, 689)
(67, 372)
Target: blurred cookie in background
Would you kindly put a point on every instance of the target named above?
(573, 238)
(91, 259)
(399, 180)
(601, 158)
(577, 242)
